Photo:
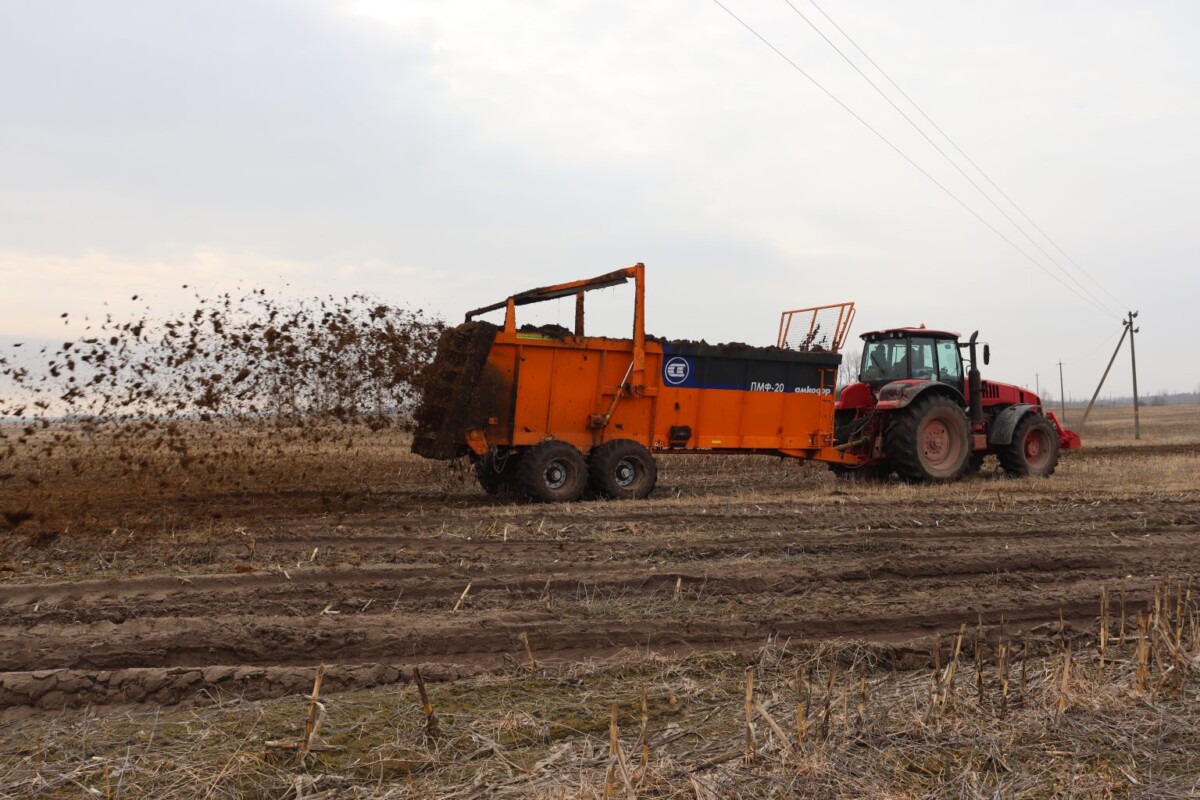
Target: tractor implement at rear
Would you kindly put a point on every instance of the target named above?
(553, 413)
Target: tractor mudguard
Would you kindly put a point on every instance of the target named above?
(899, 394)
(1002, 427)
(854, 396)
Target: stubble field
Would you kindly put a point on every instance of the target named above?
(160, 629)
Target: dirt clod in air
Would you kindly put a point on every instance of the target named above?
(176, 406)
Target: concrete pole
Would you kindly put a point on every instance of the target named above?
(1137, 423)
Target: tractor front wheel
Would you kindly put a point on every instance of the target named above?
(1033, 450)
(623, 470)
(552, 472)
(929, 441)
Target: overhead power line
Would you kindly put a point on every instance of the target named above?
(935, 145)
(905, 156)
(947, 137)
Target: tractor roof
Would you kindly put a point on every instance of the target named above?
(892, 333)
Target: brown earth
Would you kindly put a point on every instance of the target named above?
(373, 561)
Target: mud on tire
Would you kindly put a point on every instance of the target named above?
(1033, 450)
(929, 441)
(552, 472)
(622, 470)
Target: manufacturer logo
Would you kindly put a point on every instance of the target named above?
(676, 370)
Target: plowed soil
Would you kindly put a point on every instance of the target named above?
(237, 592)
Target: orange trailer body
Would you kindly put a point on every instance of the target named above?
(565, 390)
(669, 397)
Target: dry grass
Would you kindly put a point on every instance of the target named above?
(1078, 718)
(1013, 717)
(1159, 425)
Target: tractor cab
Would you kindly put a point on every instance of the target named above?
(901, 354)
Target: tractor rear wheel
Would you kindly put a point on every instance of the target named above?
(622, 470)
(1033, 450)
(552, 472)
(929, 441)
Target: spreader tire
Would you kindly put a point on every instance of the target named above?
(552, 472)
(622, 470)
(1033, 451)
(929, 441)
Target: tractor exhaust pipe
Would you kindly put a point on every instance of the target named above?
(975, 385)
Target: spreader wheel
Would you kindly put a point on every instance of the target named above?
(929, 442)
(552, 472)
(622, 470)
(1033, 450)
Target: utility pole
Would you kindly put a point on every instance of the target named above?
(1062, 395)
(1126, 326)
(1137, 423)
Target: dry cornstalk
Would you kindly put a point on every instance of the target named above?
(311, 719)
(1003, 653)
(1143, 655)
(1024, 665)
(610, 777)
(461, 598)
(784, 741)
(432, 729)
(616, 760)
(644, 733)
(804, 689)
(979, 672)
(533, 665)
(952, 669)
(827, 709)
(749, 755)
(1122, 632)
(1104, 625)
(1063, 686)
(312, 723)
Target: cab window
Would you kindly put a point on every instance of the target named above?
(949, 361)
(886, 359)
(923, 358)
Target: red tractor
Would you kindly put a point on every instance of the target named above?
(917, 412)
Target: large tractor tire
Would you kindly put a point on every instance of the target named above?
(552, 472)
(497, 475)
(974, 464)
(1033, 450)
(929, 441)
(622, 470)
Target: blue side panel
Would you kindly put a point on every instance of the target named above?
(748, 369)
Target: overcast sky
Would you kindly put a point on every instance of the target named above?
(446, 154)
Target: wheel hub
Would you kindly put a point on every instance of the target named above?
(936, 443)
(555, 474)
(1036, 447)
(626, 472)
